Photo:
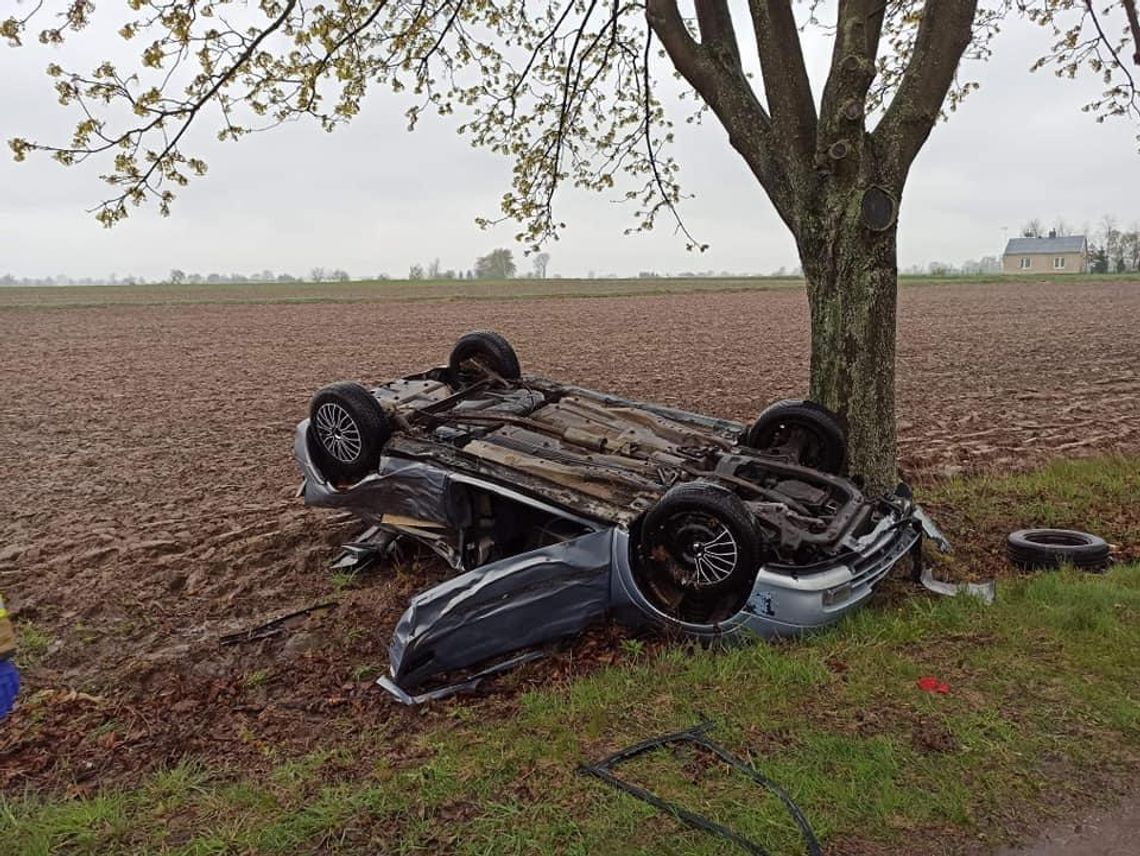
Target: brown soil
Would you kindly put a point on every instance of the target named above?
(1110, 830)
(148, 500)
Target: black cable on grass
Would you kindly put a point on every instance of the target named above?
(695, 736)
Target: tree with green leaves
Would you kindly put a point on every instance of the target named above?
(566, 90)
(497, 264)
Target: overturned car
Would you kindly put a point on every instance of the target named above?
(558, 505)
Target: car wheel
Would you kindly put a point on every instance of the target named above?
(700, 539)
(1042, 549)
(347, 431)
(478, 352)
(805, 432)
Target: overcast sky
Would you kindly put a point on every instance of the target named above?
(374, 198)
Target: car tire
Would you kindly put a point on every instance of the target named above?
(489, 350)
(347, 432)
(702, 538)
(1045, 549)
(807, 432)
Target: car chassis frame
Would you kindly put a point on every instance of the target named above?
(424, 489)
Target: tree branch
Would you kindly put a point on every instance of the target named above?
(1102, 39)
(664, 192)
(688, 56)
(943, 35)
(717, 33)
(786, 84)
(729, 95)
(1134, 25)
(842, 114)
(348, 36)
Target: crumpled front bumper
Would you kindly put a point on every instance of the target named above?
(788, 601)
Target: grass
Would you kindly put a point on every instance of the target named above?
(385, 291)
(1097, 495)
(33, 643)
(1043, 707)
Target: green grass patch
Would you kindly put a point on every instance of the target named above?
(32, 643)
(1043, 699)
(1098, 495)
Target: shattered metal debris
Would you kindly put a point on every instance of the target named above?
(922, 573)
(464, 686)
(985, 592)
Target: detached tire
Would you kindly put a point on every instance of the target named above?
(347, 432)
(700, 538)
(807, 433)
(485, 349)
(1046, 549)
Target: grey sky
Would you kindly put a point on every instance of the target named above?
(372, 197)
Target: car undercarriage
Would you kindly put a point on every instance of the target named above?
(558, 506)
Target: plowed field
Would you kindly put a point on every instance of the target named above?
(147, 504)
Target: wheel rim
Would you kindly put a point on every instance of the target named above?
(338, 432)
(704, 551)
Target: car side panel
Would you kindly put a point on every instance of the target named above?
(525, 600)
(400, 487)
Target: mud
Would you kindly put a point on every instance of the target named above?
(148, 508)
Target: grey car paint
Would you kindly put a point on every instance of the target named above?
(556, 591)
(530, 599)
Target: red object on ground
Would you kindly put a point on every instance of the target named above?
(931, 684)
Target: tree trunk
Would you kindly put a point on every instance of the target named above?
(852, 285)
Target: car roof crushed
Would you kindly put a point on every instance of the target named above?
(558, 506)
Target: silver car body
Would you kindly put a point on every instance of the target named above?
(426, 491)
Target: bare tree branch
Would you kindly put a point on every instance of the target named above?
(786, 85)
(943, 35)
(1134, 25)
(730, 96)
(843, 107)
(717, 34)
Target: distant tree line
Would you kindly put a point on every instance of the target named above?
(177, 276)
(497, 264)
(970, 267)
(1111, 250)
(1115, 250)
(63, 279)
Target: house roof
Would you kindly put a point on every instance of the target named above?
(1060, 244)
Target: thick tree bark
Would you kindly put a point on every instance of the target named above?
(852, 283)
(836, 185)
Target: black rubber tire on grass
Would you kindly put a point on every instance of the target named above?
(347, 432)
(825, 446)
(1046, 549)
(487, 348)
